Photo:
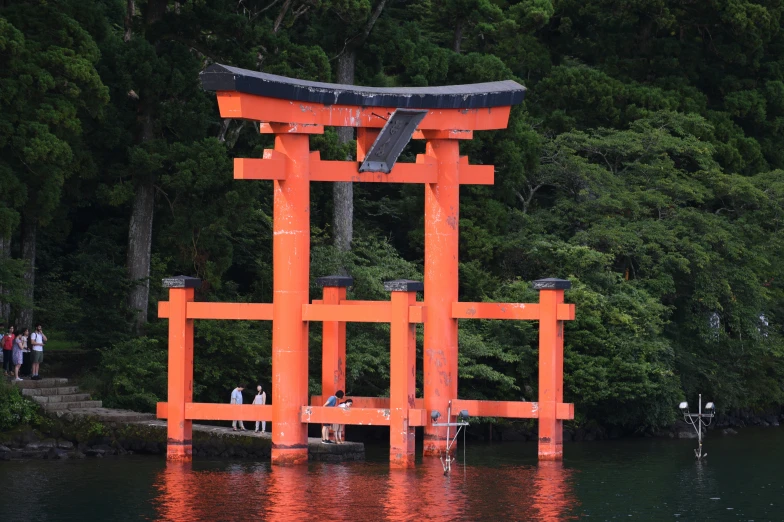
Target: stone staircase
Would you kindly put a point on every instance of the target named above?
(60, 398)
(57, 394)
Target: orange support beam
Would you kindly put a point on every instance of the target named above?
(290, 282)
(179, 445)
(226, 412)
(442, 215)
(402, 372)
(510, 409)
(231, 311)
(551, 294)
(518, 311)
(348, 314)
(358, 416)
(262, 108)
(366, 402)
(333, 338)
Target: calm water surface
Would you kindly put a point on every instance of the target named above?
(614, 480)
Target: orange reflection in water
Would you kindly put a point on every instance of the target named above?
(363, 491)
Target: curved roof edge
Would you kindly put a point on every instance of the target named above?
(219, 77)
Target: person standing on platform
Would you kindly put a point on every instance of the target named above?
(8, 348)
(236, 398)
(340, 428)
(37, 340)
(261, 399)
(332, 401)
(20, 345)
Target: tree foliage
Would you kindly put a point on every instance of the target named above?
(645, 166)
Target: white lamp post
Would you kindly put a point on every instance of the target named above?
(697, 421)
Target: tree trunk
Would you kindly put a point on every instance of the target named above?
(139, 249)
(29, 232)
(5, 253)
(343, 192)
(457, 39)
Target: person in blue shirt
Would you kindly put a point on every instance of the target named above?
(236, 398)
(332, 401)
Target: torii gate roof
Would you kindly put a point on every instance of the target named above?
(218, 77)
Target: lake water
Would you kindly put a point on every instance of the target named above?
(634, 479)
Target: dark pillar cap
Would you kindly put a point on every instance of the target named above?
(551, 283)
(182, 281)
(404, 285)
(335, 280)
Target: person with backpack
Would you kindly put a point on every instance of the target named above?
(332, 402)
(8, 347)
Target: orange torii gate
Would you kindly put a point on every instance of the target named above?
(386, 119)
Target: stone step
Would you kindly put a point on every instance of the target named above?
(49, 406)
(43, 383)
(49, 399)
(40, 392)
(108, 415)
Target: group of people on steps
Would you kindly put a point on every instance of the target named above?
(22, 351)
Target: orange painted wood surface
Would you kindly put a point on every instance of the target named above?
(258, 168)
(357, 416)
(509, 409)
(262, 108)
(365, 402)
(519, 311)
(565, 312)
(477, 174)
(227, 412)
(349, 314)
(232, 311)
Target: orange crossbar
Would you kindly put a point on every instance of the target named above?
(509, 409)
(358, 416)
(262, 108)
(495, 311)
(365, 312)
(227, 412)
(230, 311)
(365, 402)
(380, 313)
(521, 311)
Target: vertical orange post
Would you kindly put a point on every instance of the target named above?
(179, 445)
(402, 372)
(442, 203)
(333, 338)
(551, 293)
(291, 259)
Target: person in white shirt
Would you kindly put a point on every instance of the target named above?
(260, 398)
(236, 398)
(37, 340)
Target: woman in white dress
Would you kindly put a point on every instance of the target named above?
(260, 398)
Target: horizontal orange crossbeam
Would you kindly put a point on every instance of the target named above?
(374, 312)
(509, 409)
(358, 416)
(230, 311)
(365, 402)
(209, 411)
(519, 311)
(262, 108)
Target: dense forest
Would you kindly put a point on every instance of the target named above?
(644, 166)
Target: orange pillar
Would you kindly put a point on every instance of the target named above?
(333, 355)
(179, 445)
(441, 241)
(402, 372)
(290, 281)
(551, 293)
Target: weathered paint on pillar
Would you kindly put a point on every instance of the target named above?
(179, 445)
(291, 258)
(441, 279)
(551, 293)
(333, 358)
(402, 373)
